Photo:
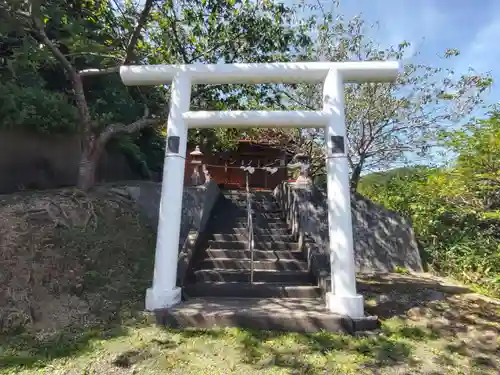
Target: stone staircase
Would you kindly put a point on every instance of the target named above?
(284, 296)
(223, 269)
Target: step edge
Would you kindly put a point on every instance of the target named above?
(248, 283)
(256, 284)
(240, 271)
(230, 241)
(256, 261)
(263, 251)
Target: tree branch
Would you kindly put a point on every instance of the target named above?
(129, 52)
(97, 54)
(68, 67)
(177, 40)
(40, 30)
(296, 101)
(98, 72)
(112, 130)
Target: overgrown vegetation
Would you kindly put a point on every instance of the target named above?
(455, 209)
(70, 261)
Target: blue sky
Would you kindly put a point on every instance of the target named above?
(432, 26)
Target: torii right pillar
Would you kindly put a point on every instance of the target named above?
(343, 298)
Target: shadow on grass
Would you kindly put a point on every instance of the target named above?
(291, 351)
(423, 323)
(25, 349)
(415, 312)
(423, 309)
(410, 297)
(394, 346)
(396, 293)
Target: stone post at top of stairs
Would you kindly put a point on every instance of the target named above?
(303, 163)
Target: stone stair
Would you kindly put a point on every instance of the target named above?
(280, 314)
(283, 296)
(223, 270)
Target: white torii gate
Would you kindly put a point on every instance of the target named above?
(343, 299)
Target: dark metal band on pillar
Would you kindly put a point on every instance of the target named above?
(338, 145)
(173, 144)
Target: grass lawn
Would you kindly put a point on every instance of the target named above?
(429, 327)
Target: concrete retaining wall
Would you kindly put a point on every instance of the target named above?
(197, 204)
(31, 161)
(383, 240)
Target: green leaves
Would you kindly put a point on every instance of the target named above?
(388, 123)
(456, 210)
(223, 31)
(89, 34)
(36, 109)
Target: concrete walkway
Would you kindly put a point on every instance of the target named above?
(283, 314)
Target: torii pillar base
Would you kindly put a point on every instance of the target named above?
(161, 299)
(352, 306)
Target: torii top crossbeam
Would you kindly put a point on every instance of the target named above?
(305, 72)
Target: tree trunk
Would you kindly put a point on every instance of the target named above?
(86, 173)
(356, 174)
(87, 167)
(88, 159)
(92, 146)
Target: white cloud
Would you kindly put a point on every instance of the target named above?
(483, 52)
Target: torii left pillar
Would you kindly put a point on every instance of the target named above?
(343, 299)
(164, 292)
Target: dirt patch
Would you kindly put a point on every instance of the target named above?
(459, 329)
(70, 259)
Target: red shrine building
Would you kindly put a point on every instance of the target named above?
(224, 167)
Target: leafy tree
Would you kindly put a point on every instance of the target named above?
(379, 182)
(224, 31)
(387, 121)
(89, 40)
(455, 209)
(73, 36)
(478, 163)
(35, 109)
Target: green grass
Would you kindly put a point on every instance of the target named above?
(148, 349)
(137, 346)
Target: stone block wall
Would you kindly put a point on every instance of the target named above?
(35, 162)
(383, 240)
(197, 205)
